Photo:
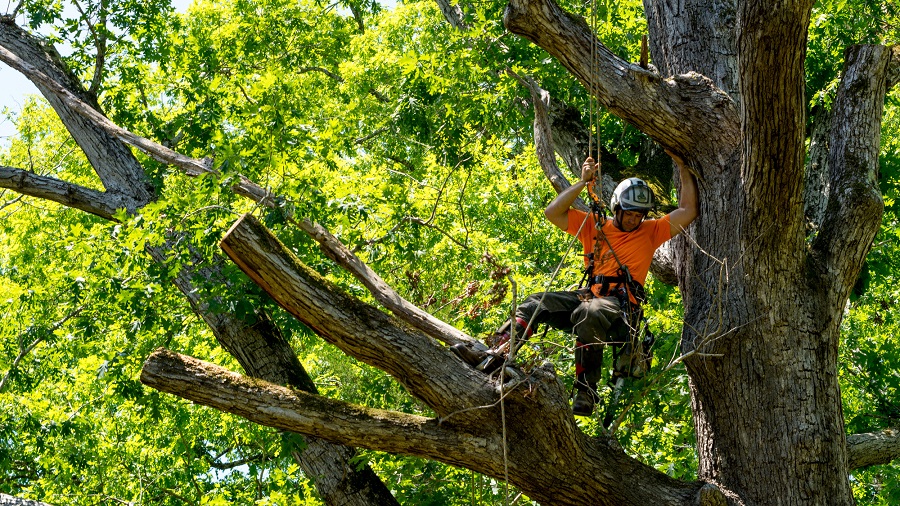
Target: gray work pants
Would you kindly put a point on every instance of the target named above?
(595, 322)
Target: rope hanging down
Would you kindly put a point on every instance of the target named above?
(633, 317)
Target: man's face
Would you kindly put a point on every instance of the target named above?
(629, 220)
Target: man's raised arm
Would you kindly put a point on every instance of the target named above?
(558, 210)
(688, 209)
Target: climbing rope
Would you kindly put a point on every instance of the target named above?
(510, 357)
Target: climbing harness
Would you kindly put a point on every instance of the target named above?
(633, 357)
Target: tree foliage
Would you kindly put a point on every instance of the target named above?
(411, 141)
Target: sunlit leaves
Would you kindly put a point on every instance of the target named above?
(837, 24)
(410, 141)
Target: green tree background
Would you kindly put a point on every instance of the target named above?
(409, 140)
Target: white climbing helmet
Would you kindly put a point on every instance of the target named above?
(632, 194)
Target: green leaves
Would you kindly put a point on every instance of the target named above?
(837, 24)
(406, 139)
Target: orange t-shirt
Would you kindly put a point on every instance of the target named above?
(633, 249)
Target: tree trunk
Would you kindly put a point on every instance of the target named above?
(763, 303)
(762, 309)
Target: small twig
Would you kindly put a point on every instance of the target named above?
(378, 95)
(207, 208)
(11, 202)
(244, 93)
(15, 11)
(372, 135)
(99, 43)
(325, 71)
(417, 221)
(379, 239)
(423, 184)
(23, 351)
(510, 358)
(459, 203)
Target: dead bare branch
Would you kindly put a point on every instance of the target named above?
(103, 204)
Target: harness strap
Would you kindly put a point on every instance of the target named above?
(610, 284)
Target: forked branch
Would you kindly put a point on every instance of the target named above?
(427, 370)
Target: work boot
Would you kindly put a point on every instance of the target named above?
(491, 363)
(484, 361)
(469, 355)
(583, 405)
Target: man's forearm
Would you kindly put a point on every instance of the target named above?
(564, 200)
(558, 210)
(688, 197)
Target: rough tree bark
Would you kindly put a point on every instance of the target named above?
(8, 500)
(767, 414)
(259, 346)
(762, 303)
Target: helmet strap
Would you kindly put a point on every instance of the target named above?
(618, 218)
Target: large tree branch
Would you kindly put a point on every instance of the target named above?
(427, 370)
(305, 413)
(102, 204)
(815, 178)
(676, 112)
(773, 124)
(853, 213)
(453, 14)
(261, 349)
(99, 137)
(249, 189)
(543, 139)
(78, 110)
(873, 448)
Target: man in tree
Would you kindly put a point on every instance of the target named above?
(617, 253)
